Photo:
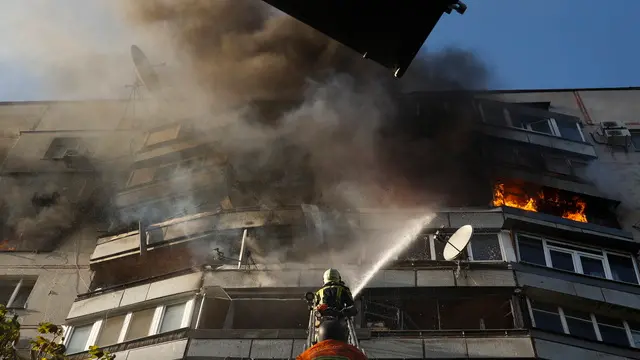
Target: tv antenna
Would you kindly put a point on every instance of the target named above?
(455, 244)
(145, 76)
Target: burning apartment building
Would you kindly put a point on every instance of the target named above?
(192, 270)
(194, 234)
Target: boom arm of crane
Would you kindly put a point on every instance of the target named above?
(388, 32)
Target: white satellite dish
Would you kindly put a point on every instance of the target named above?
(457, 242)
(147, 76)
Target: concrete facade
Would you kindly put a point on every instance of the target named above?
(168, 290)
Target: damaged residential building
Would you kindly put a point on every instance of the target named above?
(551, 271)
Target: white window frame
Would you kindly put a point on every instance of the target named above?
(499, 234)
(594, 322)
(557, 245)
(16, 290)
(154, 327)
(553, 126)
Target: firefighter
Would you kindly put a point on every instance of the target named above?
(332, 344)
(334, 294)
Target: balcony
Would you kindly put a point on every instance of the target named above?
(415, 345)
(186, 185)
(534, 126)
(571, 288)
(540, 139)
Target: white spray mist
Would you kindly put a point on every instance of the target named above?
(403, 238)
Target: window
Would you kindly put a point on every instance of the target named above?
(482, 247)
(612, 330)
(588, 261)
(162, 135)
(420, 311)
(64, 145)
(493, 113)
(270, 314)
(594, 327)
(635, 139)
(167, 171)
(15, 293)
(133, 325)
(579, 323)
(79, 339)
(485, 247)
(546, 317)
(569, 129)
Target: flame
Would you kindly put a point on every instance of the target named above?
(5, 246)
(515, 197)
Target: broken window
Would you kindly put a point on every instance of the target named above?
(14, 293)
(65, 146)
(270, 314)
(485, 247)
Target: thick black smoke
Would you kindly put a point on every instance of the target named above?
(321, 115)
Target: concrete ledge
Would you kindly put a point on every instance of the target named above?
(379, 348)
(135, 295)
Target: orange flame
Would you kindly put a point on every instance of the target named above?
(513, 196)
(5, 246)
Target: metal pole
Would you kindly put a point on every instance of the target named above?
(244, 238)
(14, 295)
(204, 295)
(312, 328)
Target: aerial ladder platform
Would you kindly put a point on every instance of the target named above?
(314, 321)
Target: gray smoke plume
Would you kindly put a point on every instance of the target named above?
(303, 119)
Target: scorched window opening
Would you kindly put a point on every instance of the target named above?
(536, 198)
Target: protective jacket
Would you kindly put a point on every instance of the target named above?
(332, 350)
(335, 295)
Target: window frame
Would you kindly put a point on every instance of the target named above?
(154, 327)
(20, 282)
(634, 132)
(201, 159)
(433, 256)
(573, 249)
(594, 323)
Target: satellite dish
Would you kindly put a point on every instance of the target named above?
(457, 242)
(144, 70)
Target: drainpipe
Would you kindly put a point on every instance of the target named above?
(142, 229)
(244, 239)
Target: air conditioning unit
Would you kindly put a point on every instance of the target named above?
(620, 136)
(612, 125)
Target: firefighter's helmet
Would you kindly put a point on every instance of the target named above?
(331, 275)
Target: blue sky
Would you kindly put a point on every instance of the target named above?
(549, 43)
(527, 44)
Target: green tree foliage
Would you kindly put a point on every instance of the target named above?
(47, 346)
